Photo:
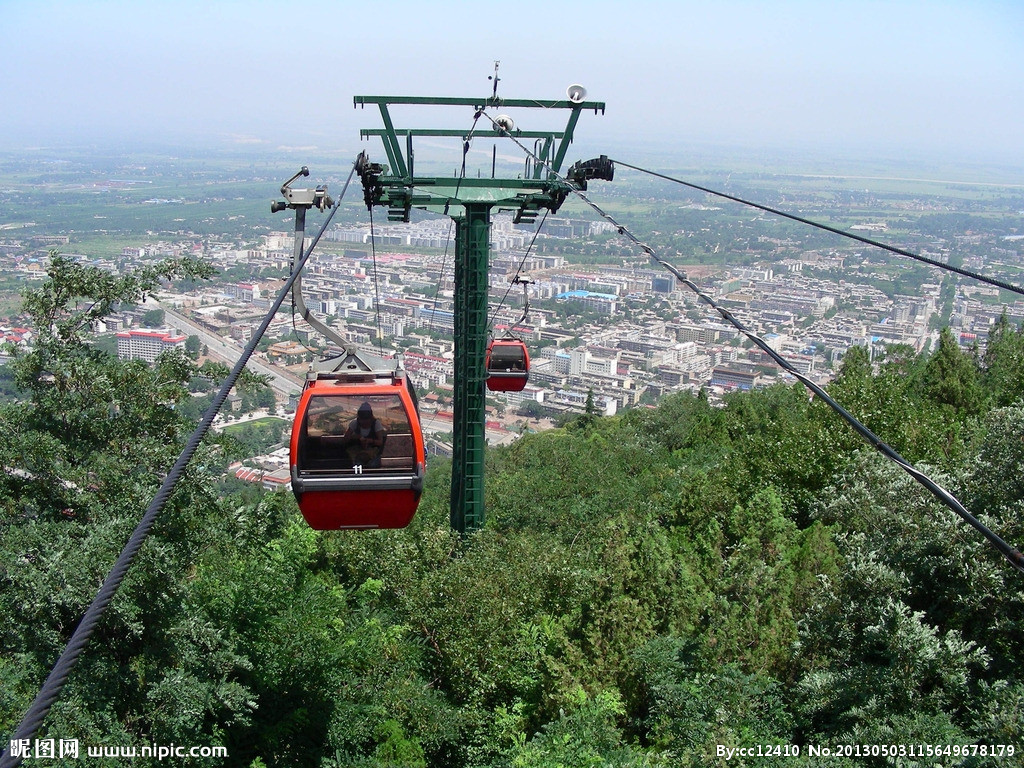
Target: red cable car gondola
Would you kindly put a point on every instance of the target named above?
(508, 365)
(508, 362)
(357, 455)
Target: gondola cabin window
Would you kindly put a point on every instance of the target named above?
(507, 358)
(356, 434)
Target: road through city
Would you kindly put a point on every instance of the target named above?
(282, 381)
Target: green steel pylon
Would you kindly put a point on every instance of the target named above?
(469, 201)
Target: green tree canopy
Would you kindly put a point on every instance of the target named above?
(648, 586)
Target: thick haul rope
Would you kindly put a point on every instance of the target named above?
(58, 676)
(1015, 558)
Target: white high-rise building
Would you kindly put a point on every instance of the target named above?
(147, 345)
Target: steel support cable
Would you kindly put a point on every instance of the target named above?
(55, 681)
(376, 285)
(522, 261)
(1015, 558)
(462, 174)
(466, 142)
(860, 238)
(440, 276)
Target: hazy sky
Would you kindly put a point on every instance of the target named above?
(923, 75)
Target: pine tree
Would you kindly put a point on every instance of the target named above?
(951, 377)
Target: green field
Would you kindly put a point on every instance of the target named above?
(266, 421)
(105, 202)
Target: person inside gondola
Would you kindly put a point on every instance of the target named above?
(506, 358)
(507, 364)
(364, 438)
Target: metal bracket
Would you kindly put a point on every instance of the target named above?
(301, 200)
(526, 283)
(600, 168)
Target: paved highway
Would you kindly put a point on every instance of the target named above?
(282, 381)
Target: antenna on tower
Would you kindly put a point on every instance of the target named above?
(495, 78)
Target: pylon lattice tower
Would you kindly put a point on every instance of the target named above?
(469, 202)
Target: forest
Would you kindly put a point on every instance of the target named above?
(649, 588)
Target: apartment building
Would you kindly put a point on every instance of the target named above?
(147, 345)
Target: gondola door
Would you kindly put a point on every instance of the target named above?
(357, 454)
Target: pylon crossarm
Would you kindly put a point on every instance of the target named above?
(439, 195)
(497, 102)
(563, 145)
(365, 133)
(391, 145)
(401, 164)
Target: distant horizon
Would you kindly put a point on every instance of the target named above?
(825, 160)
(588, 134)
(880, 78)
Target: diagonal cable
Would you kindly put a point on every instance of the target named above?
(522, 261)
(376, 285)
(466, 142)
(58, 676)
(1015, 558)
(860, 238)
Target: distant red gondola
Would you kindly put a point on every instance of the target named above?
(357, 455)
(508, 365)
